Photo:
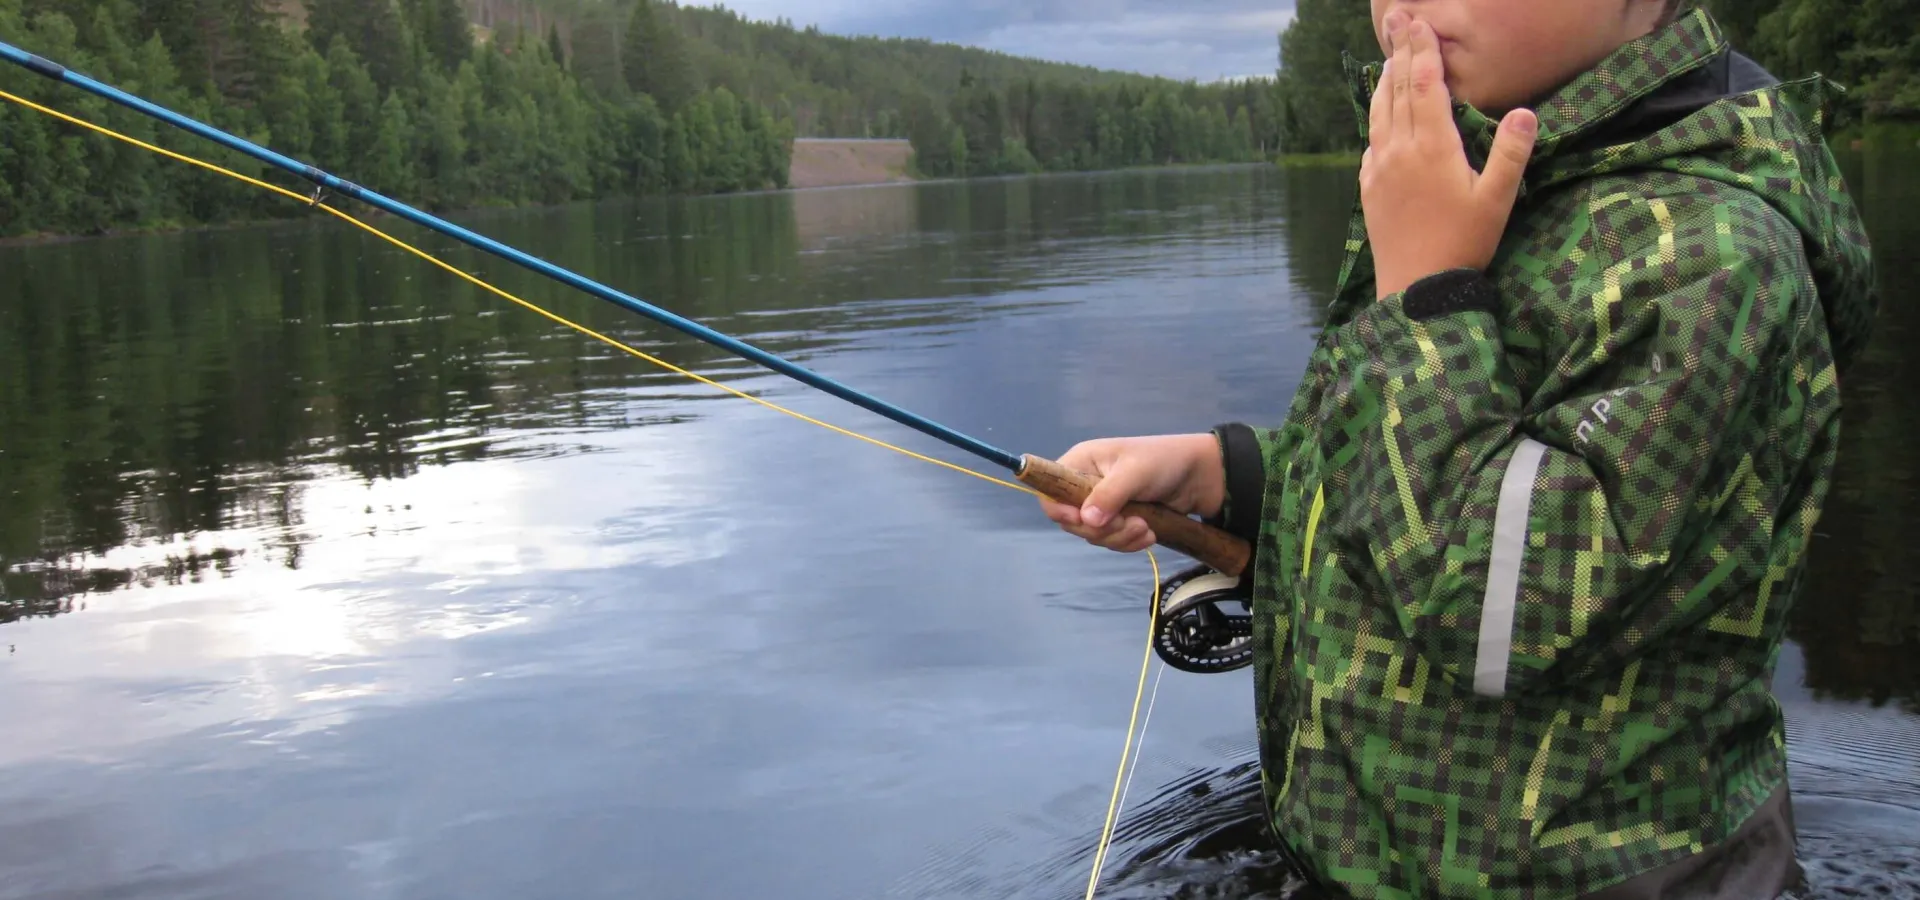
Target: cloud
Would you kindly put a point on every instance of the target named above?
(1198, 39)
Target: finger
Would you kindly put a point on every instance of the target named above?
(1141, 542)
(1507, 163)
(1380, 112)
(1402, 68)
(1099, 537)
(1060, 513)
(1111, 535)
(1427, 98)
(1113, 493)
(1132, 537)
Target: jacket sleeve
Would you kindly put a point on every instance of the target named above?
(1519, 532)
(1247, 454)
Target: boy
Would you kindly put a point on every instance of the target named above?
(1526, 541)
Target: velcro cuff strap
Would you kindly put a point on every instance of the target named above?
(1449, 292)
(1246, 480)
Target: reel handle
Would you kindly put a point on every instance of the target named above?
(1226, 553)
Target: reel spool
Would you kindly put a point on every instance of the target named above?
(1206, 623)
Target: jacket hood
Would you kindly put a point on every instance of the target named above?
(1682, 99)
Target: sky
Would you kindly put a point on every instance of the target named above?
(1199, 39)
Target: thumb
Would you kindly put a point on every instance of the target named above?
(1115, 490)
(1512, 148)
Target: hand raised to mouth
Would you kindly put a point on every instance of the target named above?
(1427, 210)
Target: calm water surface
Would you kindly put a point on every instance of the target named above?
(327, 576)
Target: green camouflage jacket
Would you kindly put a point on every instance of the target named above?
(1527, 540)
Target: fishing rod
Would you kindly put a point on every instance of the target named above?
(1227, 554)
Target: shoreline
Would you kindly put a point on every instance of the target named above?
(894, 179)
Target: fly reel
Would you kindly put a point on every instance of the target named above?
(1206, 623)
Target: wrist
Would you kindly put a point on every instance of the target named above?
(1206, 475)
(1241, 467)
(1390, 282)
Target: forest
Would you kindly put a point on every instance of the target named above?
(457, 104)
(394, 95)
(1871, 49)
(967, 111)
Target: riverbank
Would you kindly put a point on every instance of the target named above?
(816, 163)
(359, 211)
(828, 162)
(1317, 160)
(37, 239)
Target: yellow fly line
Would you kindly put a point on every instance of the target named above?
(1129, 753)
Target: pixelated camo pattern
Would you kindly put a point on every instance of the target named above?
(1675, 317)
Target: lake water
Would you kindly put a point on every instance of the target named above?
(328, 576)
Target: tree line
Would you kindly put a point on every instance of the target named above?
(967, 111)
(1036, 126)
(829, 85)
(393, 94)
(1871, 49)
(585, 100)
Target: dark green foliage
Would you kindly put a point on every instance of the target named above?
(1872, 48)
(1869, 47)
(411, 109)
(1034, 126)
(1316, 109)
(375, 31)
(829, 85)
(655, 58)
(442, 28)
(577, 99)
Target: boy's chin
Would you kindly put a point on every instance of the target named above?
(1490, 104)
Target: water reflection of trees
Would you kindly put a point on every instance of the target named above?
(159, 387)
(1319, 204)
(1859, 617)
(156, 388)
(48, 588)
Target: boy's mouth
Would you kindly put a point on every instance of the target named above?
(1446, 42)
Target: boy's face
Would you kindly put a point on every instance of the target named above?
(1502, 54)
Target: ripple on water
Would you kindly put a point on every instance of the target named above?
(1857, 848)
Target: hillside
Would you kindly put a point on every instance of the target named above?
(830, 85)
(836, 162)
(967, 111)
(454, 104)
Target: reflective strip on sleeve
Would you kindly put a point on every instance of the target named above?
(1503, 572)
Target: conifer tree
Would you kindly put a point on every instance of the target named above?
(655, 58)
(373, 30)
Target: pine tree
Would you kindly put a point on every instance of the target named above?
(183, 26)
(374, 31)
(390, 160)
(444, 31)
(677, 159)
(258, 49)
(1318, 113)
(655, 59)
(439, 142)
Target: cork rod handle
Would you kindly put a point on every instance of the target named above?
(1226, 553)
